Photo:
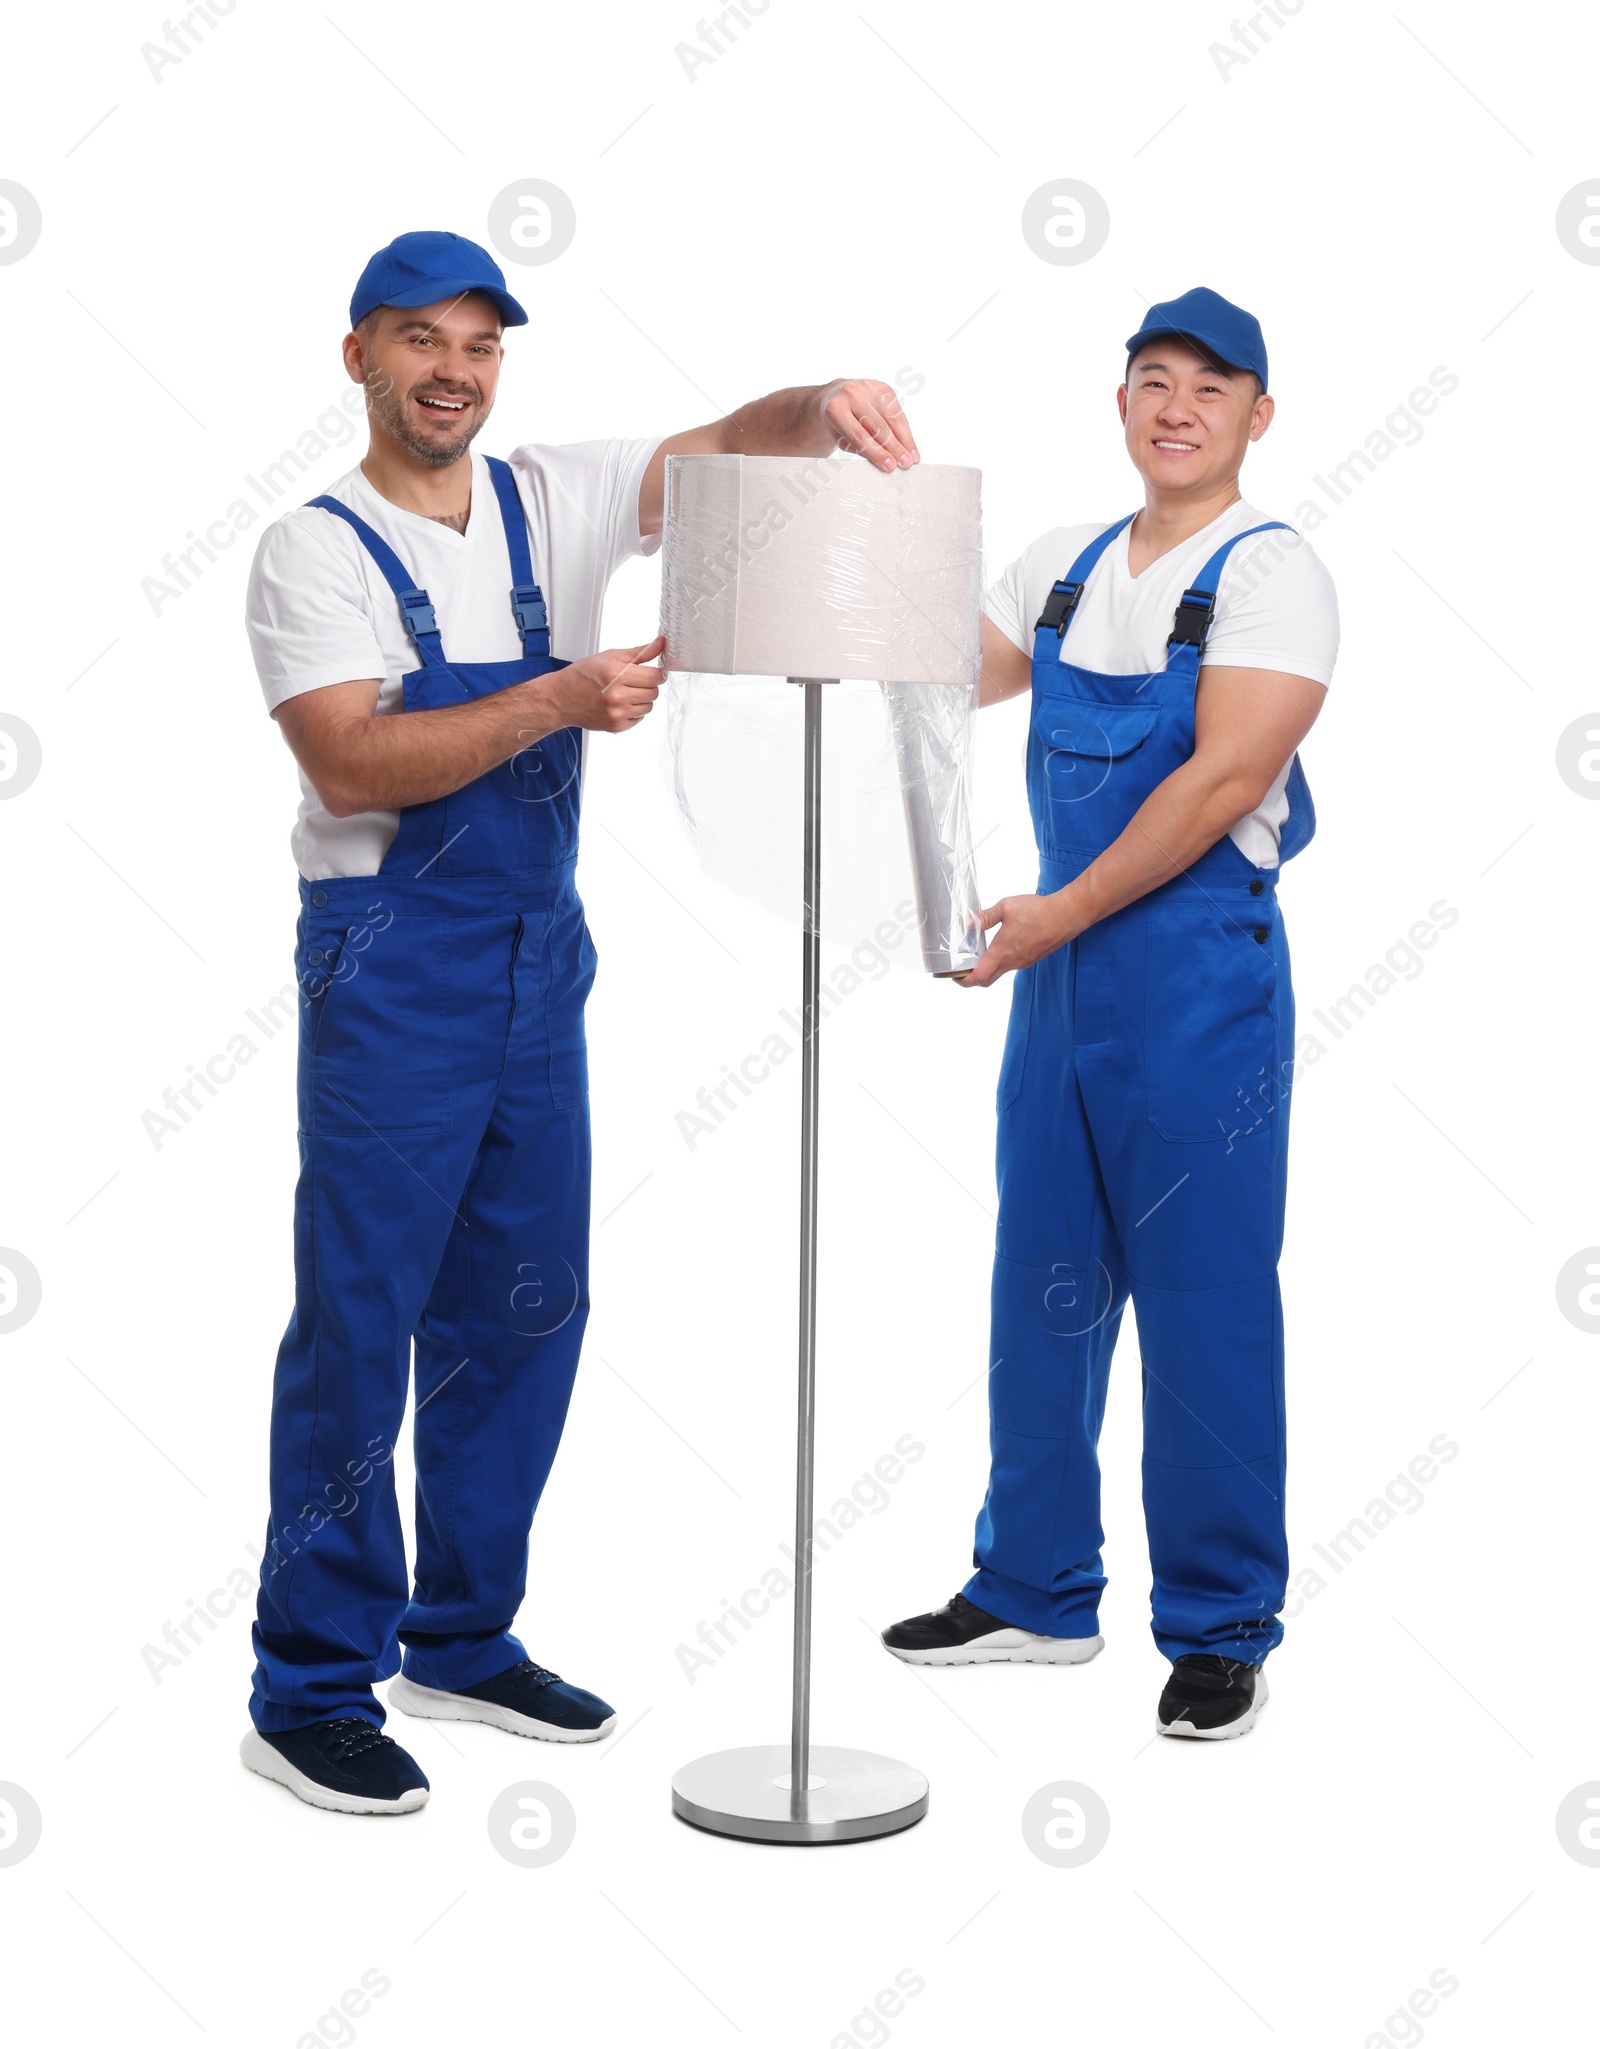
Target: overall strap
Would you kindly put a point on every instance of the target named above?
(1063, 599)
(1196, 608)
(527, 600)
(415, 606)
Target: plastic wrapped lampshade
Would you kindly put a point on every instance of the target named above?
(777, 568)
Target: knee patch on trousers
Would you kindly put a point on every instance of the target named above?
(1213, 1374)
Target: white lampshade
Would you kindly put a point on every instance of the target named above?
(807, 566)
(813, 568)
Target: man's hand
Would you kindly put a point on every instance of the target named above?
(607, 692)
(858, 414)
(1030, 927)
(865, 418)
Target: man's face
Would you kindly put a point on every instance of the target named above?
(430, 373)
(1189, 419)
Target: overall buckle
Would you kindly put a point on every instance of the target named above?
(1192, 620)
(416, 608)
(527, 608)
(1060, 606)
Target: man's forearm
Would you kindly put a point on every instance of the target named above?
(855, 413)
(359, 761)
(787, 422)
(373, 763)
(1174, 826)
(1248, 723)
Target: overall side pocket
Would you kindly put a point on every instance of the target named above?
(379, 1040)
(1211, 990)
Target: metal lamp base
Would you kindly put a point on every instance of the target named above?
(853, 1795)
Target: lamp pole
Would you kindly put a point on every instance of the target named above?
(852, 1794)
(806, 1430)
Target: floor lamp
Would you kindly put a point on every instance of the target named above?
(822, 571)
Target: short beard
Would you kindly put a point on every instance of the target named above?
(388, 409)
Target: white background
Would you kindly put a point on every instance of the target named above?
(835, 194)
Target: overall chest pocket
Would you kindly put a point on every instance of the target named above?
(544, 785)
(1088, 768)
(522, 814)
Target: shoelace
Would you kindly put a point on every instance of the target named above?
(355, 1735)
(537, 1673)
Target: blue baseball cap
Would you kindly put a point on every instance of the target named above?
(422, 268)
(1211, 323)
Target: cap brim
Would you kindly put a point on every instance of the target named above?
(1195, 339)
(510, 312)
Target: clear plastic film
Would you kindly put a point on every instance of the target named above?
(931, 725)
(778, 569)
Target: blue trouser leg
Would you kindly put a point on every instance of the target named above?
(1134, 1038)
(460, 1236)
(1186, 1026)
(373, 1212)
(1214, 1467)
(511, 1299)
(1058, 1291)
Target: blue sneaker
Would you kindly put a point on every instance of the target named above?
(526, 1701)
(347, 1765)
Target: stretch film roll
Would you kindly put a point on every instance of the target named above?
(932, 730)
(789, 567)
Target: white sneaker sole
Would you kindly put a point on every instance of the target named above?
(1242, 1727)
(432, 1704)
(258, 1755)
(1008, 1647)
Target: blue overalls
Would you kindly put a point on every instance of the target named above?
(443, 1202)
(1143, 1139)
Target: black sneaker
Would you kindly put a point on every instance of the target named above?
(960, 1634)
(348, 1765)
(526, 1701)
(1211, 1697)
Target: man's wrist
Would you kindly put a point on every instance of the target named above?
(1069, 913)
(540, 711)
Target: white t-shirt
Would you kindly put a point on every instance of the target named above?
(320, 612)
(1275, 610)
